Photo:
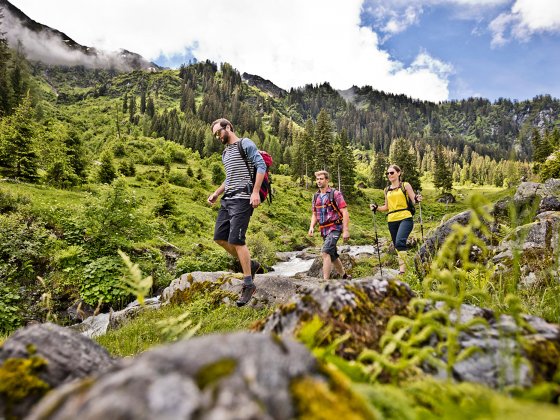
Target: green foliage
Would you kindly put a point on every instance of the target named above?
(113, 221)
(10, 318)
(106, 172)
(203, 259)
(102, 282)
(127, 168)
(378, 178)
(402, 155)
(134, 284)
(25, 246)
(175, 328)
(218, 174)
(551, 167)
(442, 173)
(166, 204)
(262, 249)
(18, 157)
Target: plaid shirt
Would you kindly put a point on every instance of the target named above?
(327, 214)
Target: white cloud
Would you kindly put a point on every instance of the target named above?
(397, 15)
(290, 42)
(526, 18)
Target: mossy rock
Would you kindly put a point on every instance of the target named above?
(360, 309)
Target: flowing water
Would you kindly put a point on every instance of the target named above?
(301, 261)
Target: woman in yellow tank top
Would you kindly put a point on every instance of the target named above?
(399, 218)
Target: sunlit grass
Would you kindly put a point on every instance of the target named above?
(142, 332)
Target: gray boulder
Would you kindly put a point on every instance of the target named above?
(433, 242)
(532, 196)
(233, 376)
(537, 244)
(69, 356)
(359, 308)
(508, 354)
(316, 269)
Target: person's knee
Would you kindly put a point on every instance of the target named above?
(221, 242)
(400, 245)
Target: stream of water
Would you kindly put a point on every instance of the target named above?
(301, 261)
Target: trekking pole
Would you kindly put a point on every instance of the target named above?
(377, 243)
(421, 224)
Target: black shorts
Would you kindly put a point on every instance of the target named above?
(233, 220)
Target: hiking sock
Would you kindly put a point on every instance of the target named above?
(248, 280)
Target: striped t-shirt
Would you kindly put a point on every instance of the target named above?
(238, 179)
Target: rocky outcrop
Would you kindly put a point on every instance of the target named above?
(68, 356)
(534, 247)
(360, 309)
(230, 376)
(508, 354)
(433, 242)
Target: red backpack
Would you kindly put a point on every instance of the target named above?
(266, 186)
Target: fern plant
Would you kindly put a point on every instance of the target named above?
(454, 278)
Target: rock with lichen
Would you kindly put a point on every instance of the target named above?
(508, 353)
(229, 376)
(360, 308)
(42, 357)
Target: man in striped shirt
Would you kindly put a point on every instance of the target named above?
(240, 197)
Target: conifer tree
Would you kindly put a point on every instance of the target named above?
(380, 164)
(442, 172)
(402, 155)
(323, 141)
(343, 166)
(150, 108)
(5, 92)
(143, 101)
(18, 157)
(107, 172)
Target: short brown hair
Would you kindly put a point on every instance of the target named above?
(325, 173)
(223, 123)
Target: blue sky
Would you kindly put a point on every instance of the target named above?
(518, 69)
(428, 49)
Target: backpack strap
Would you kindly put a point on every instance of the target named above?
(243, 154)
(333, 203)
(406, 197)
(315, 199)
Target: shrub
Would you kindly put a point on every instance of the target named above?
(262, 249)
(102, 282)
(166, 204)
(114, 221)
(205, 260)
(10, 318)
(218, 174)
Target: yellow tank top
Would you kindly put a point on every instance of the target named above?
(396, 200)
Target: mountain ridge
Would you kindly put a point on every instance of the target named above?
(51, 46)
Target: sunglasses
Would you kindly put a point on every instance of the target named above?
(390, 173)
(218, 132)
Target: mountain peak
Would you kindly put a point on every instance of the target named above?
(50, 46)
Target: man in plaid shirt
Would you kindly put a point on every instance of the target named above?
(331, 212)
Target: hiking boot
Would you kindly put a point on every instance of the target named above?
(247, 292)
(347, 276)
(255, 268)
